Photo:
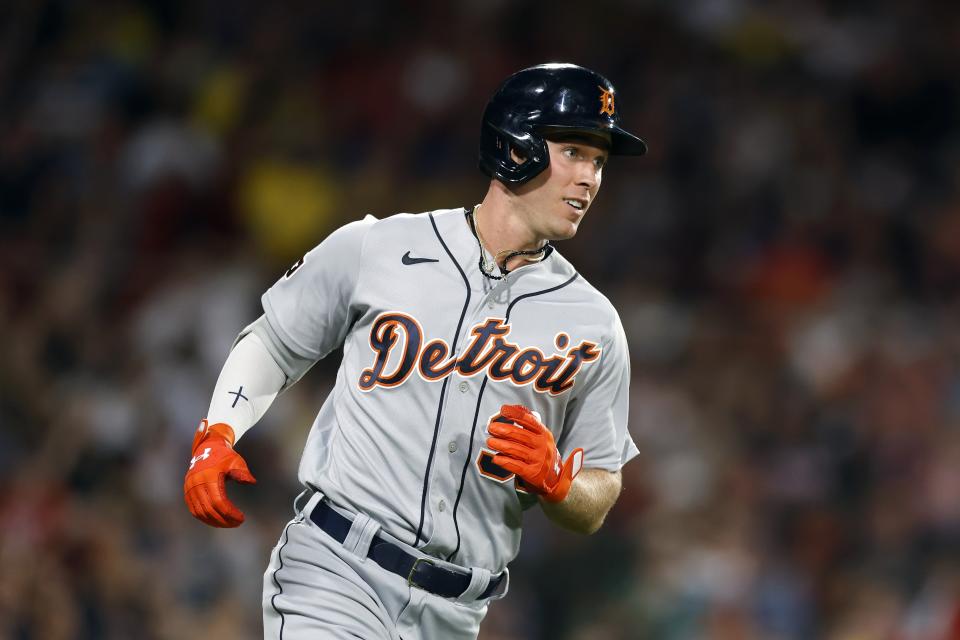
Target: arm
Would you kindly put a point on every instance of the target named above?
(306, 315)
(248, 383)
(575, 500)
(592, 495)
(596, 421)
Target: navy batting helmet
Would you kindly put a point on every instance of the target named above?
(547, 99)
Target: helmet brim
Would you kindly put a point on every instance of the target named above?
(622, 142)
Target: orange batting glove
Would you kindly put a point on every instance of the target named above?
(526, 447)
(213, 461)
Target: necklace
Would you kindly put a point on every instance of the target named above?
(530, 255)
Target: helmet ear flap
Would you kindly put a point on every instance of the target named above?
(535, 157)
(505, 143)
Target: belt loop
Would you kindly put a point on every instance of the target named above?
(503, 587)
(297, 509)
(312, 502)
(360, 535)
(479, 579)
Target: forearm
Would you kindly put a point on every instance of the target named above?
(592, 495)
(248, 383)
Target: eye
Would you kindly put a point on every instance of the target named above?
(571, 152)
(600, 162)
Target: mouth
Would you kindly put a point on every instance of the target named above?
(577, 204)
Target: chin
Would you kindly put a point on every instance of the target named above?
(567, 231)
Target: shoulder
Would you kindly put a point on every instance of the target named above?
(583, 290)
(607, 315)
(605, 319)
(588, 306)
(413, 223)
(416, 220)
(393, 226)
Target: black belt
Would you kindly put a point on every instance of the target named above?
(419, 572)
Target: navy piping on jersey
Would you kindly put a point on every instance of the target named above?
(476, 413)
(466, 465)
(443, 389)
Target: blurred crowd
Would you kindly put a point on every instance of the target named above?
(786, 262)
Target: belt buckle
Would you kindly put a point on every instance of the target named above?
(413, 570)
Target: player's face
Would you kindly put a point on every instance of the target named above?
(554, 203)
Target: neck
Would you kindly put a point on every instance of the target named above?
(501, 226)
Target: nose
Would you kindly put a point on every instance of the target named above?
(588, 176)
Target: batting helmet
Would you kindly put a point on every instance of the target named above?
(549, 98)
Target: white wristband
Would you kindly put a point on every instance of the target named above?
(248, 383)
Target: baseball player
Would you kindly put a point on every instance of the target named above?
(481, 376)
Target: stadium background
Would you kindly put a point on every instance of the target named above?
(786, 261)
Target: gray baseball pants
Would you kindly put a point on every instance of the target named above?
(315, 587)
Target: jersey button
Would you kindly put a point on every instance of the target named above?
(452, 447)
(463, 387)
(490, 305)
(442, 506)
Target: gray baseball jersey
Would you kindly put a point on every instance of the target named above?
(431, 350)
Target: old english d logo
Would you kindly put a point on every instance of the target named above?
(606, 101)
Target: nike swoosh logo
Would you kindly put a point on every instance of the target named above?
(406, 259)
